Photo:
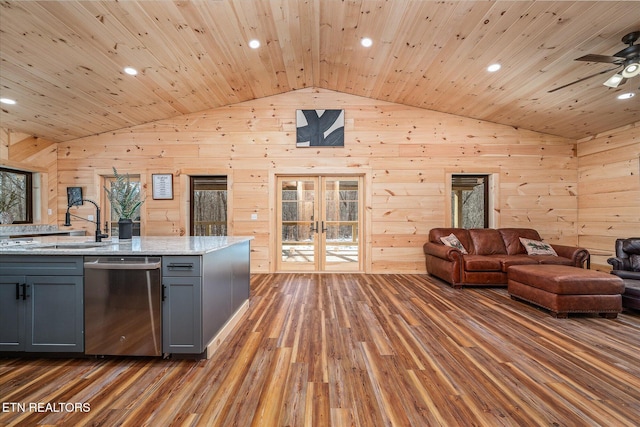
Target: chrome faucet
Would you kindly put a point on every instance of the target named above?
(67, 218)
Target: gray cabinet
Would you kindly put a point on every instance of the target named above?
(12, 313)
(182, 304)
(200, 295)
(41, 304)
(182, 315)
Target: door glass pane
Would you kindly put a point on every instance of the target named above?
(341, 221)
(298, 221)
(208, 205)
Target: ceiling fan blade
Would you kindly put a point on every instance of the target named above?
(628, 52)
(582, 79)
(600, 58)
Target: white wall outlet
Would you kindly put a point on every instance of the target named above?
(90, 218)
(254, 216)
(49, 211)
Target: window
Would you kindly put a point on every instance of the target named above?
(208, 206)
(110, 215)
(16, 196)
(470, 201)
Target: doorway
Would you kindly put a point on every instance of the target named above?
(319, 223)
(470, 201)
(208, 216)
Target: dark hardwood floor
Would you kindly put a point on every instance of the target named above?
(354, 349)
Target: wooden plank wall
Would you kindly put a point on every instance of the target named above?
(404, 153)
(23, 151)
(609, 191)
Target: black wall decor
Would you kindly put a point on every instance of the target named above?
(319, 128)
(74, 196)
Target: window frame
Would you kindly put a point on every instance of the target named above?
(486, 195)
(192, 188)
(28, 194)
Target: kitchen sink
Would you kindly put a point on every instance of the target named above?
(74, 245)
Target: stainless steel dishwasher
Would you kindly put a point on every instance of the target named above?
(122, 306)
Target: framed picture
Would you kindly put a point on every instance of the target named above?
(162, 186)
(74, 196)
(319, 128)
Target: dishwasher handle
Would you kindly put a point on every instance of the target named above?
(96, 265)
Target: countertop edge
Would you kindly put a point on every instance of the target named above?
(151, 245)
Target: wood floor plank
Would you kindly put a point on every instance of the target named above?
(357, 350)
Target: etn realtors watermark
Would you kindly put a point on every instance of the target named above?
(46, 407)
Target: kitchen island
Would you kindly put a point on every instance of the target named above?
(44, 293)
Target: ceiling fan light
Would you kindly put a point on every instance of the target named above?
(631, 70)
(614, 80)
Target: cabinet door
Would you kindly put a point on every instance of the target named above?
(12, 313)
(54, 314)
(182, 315)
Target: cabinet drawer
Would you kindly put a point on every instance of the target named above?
(181, 266)
(42, 265)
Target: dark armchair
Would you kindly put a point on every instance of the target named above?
(626, 265)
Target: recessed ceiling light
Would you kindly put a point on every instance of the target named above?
(131, 71)
(8, 101)
(366, 42)
(626, 95)
(493, 68)
(254, 44)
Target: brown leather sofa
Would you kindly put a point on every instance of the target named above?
(626, 265)
(490, 253)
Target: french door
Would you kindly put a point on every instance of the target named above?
(319, 223)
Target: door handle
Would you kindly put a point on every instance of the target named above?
(24, 291)
(323, 227)
(163, 296)
(17, 290)
(314, 229)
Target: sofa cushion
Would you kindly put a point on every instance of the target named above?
(462, 234)
(481, 263)
(552, 259)
(537, 247)
(631, 245)
(486, 241)
(452, 241)
(511, 238)
(635, 262)
(520, 259)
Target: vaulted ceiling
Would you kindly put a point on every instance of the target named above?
(62, 61)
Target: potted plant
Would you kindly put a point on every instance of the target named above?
(125, 200)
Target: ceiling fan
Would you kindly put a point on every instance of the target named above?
(628, 59)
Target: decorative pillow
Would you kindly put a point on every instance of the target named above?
(535, 247)
(452, 241)
(635, 262)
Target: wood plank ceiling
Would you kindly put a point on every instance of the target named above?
(63, 61)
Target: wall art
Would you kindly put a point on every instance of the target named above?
(319, 128)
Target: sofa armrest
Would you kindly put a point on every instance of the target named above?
(578, 255)
(619, 263)
(441, 251)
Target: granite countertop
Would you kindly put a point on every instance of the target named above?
(149, 245)
(9, 231)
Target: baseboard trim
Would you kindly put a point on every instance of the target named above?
(226, 330)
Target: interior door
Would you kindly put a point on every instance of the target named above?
(319, 226)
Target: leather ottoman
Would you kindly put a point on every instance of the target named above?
(563, 289)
